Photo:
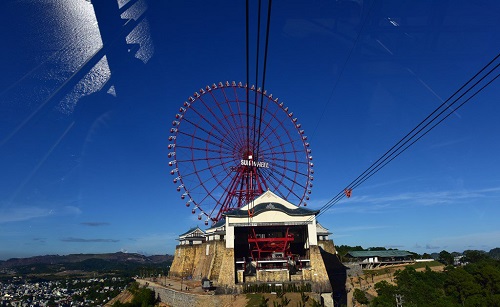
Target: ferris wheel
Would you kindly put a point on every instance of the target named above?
(230, 143)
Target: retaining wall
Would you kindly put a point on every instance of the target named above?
(176, 298)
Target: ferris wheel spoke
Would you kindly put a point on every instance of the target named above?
(275, 184)
(289, 143)
(241, 113)
(205, 149)
(205, 140)
(238, 136)
(215, 177)
(210, 167)
(275, 135)
(219, 120)
(292, 170)
(286, 152)
(204, 130)
(221, 202)
(284, 160)
(204, 117)
(198, 159)
(233, 125)
(242, 124)
(286, 187)
(207, 190)
(204, 169)
(292, 180)
(210, 192)
(274, 117)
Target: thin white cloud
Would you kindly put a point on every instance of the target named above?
(156, 243)
(378, 185)
(17, 214)
(10, 213)
(68, 210)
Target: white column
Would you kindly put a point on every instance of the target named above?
(311, 233)
(229, 235)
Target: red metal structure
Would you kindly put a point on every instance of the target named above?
(262, 246)
(229, 143)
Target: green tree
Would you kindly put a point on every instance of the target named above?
(487, 275)
(360, 296)
(445, 258)
(385, 294)
(495, 253)
(143, 297)
(461, 285)
(419, 288)
(342, 250)
(474, 256)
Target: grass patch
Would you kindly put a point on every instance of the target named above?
(390, 270)
(418, 265)
(254, 299)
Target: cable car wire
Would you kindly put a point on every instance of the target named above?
(416, 133)
(247, 72)
(264, 73)
(257, 53)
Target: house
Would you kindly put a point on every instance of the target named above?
(193, 236)
(382, 258)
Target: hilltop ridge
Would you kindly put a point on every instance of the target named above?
(118, 257)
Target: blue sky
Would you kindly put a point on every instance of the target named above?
(84, 129)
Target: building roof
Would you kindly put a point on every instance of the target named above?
(220, 223)
(321, 230)
(191, 230)
(268, 197)
(262, 207)
(386, 253)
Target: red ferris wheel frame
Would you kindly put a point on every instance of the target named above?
(231, 143)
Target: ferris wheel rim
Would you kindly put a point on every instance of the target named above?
(220, 158)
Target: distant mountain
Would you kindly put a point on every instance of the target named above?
(118, 257)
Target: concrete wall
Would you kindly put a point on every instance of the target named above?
(227, 274)
(328, 246)
(198, 261)
(319, 276)
(182, 299)
(185, 258)
(218, 264)
(273, 276)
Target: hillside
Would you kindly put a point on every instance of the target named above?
(128, 263)
(75, 258)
